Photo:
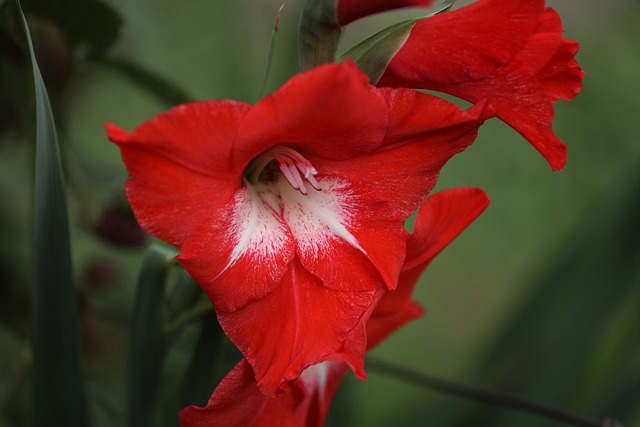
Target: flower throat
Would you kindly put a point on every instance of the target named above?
(295, 168)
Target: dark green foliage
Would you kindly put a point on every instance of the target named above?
(57, 380)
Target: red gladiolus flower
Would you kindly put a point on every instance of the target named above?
(290, 213)
(237, 401)
(352, 10)
(509, 52)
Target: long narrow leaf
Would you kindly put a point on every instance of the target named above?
(200, 378)
(148, 338)
(57, 378)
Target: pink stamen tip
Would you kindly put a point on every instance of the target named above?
(288, 175)
(299, 184)
(313, 182)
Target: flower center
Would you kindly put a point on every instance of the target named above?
(294, 167)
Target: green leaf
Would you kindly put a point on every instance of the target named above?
(318, 33)
(57, 379)
(185, 294)
(149, 340)
(374, 53)
(164, 90)
(203, 370)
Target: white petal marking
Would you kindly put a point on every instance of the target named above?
(315, 377)
(319, 216)
(255, 226)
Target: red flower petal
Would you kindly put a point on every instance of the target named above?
(560, 74)
(185, 189)
(439, 221)
(174, 164)
(330, 111)
(237, 401)
(299, 324)
(424, 132)
(351, 10)
(323, 223)
(242, 255)
(441, 218)
(511, 53)
(190, 160)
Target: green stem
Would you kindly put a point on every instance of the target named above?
(491, 397)
(270, 51)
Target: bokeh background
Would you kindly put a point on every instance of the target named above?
(540, 297)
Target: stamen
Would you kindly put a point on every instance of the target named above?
(292, 165)
(315, 184)
(293, 176)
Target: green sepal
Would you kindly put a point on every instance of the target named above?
(444, 7)
(149, 340)
(374, 54)
(318, 33)
(58, 391)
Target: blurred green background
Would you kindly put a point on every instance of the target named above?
(540, 297)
